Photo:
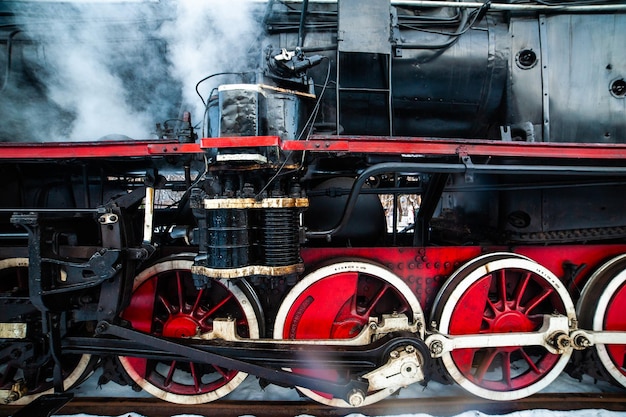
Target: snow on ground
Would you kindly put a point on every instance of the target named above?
(250, 390)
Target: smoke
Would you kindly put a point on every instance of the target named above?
(210, 37)
(112, 70)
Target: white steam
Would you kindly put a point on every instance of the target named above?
(96, 98)
(118, 69)
(209, 37)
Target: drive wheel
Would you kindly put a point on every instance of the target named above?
(28, 362)
(166, 303)
(500, 293)
(336, 302)
(601, 307)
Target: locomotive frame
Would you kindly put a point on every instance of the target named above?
(275, 259)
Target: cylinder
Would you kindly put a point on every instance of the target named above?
(227, 235)
(281, 242)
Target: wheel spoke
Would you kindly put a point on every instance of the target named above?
(521, 290)
(165, 303)
(195, 377)
(506, 369)
(374, 302)
(196, 305)
(530, 362)
(501, 274)
(220, 371)
(485, 363)
(179, 287)
(209, 314)
(537, 300)
(170, 374)
(492, 306)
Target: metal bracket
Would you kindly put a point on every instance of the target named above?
(100, 267)
(404, 367)
(469, 167)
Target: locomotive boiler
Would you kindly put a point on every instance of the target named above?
(384, 193)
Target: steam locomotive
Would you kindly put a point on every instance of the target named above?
(391, 192)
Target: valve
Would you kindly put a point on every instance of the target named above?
(292, 63)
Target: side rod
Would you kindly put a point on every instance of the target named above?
(197, 355)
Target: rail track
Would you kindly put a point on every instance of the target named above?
(440, 406)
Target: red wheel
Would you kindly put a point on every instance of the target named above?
(500, 293)
(34, 374)
(166, 303)
(601, 307)
(336, 302)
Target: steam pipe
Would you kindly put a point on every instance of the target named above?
(496, 6)
(305, 6)
(513, 7)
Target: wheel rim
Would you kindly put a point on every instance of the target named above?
(614, 299)
(166, 303)
(602, 305)
(500, 294)
(336, 302)
(39, 380)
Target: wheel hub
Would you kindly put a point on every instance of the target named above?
(180, 326)
(511, 321)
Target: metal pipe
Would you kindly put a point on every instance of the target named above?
(11, 236)
(513, 7)
(305, 6)
(495, 6)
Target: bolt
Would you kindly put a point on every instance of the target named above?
(582, 341)
(561, 341)
(373, 326)
(436, 348)
(409, 349)
(394, 355)
(356, 398)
